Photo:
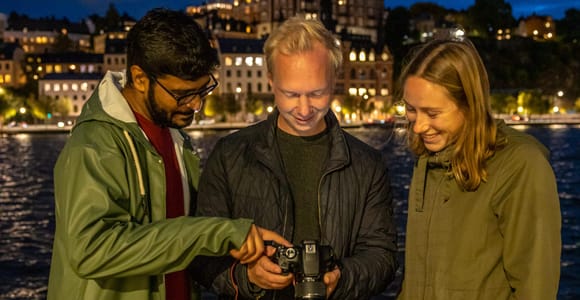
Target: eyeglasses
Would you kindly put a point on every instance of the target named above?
(189, 97)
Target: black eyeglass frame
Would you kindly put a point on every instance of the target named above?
(189, 97)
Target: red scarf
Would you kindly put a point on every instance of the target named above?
(176, 283)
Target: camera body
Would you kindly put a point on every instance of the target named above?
(308, 262)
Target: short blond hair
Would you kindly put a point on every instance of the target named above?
(297, 35)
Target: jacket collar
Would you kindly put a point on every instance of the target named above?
(268, 153)
(424, 163)
(107, 104)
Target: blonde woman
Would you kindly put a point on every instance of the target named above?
(483, 218)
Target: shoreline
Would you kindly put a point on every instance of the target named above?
(540, 120)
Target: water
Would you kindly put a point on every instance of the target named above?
(27, 203)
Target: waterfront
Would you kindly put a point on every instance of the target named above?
(27, 204)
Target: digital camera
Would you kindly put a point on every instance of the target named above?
(308, 262)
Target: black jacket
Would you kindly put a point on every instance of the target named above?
(244, 177)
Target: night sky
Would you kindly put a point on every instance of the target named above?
(76, 10)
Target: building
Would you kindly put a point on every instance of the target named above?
(243, 74)
(115, 56)
(537, 27)
(243, 66)
(39, 65)
(260, 17)
(367, 76)
(11, 72)
(69, 91)
(48, 35)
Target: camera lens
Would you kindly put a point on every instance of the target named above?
(290, 253)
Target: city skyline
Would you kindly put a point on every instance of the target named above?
(76, 10)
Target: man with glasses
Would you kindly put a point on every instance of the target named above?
(299, 174)
(126, 181)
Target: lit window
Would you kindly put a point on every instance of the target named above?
(228, 61)
(7, 78)
(362, 91)
(384, 56)
(49, 69)
(372, 56)
(249, 61)
(47, 87)
(384, 92)
(238, 61)
(259, 61)
(58, 69)
(362, 56)
(65, 87)
(352, 91)
(352, 56)
(75, 87)
(56, 87)
(84, 86)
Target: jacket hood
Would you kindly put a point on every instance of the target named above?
(107, 104)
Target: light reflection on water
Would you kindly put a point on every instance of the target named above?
(27, 204)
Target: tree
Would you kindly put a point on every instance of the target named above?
(231, 105)
(63, 107)
(502, 103)
(41, 107)
(112, 18)
(569, 26)
(213, 106)
(5, 107)
(63, 43)
(533, 103)
(487, 16)
(436, 11)
(396, 32)
(349, 103)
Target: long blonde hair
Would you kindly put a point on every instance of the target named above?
(456, 66)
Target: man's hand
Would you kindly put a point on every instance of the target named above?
(331, 280)
(253, 246)
(268, 275)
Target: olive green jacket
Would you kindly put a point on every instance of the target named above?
(112, 239)
(502, 241)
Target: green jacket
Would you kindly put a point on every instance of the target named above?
(112, 239)
(502, 241)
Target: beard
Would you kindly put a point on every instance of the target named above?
(164, 118)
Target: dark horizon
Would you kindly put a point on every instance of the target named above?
(76, 10)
